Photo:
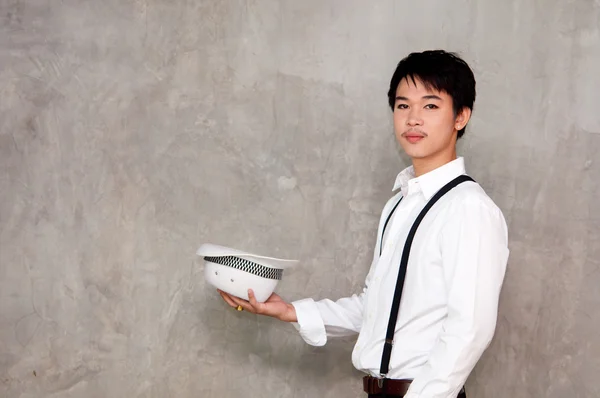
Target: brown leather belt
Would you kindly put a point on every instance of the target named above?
(373, 385)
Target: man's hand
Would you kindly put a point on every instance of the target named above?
(274, 306)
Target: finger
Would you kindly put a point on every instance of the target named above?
(252, 298)
(259, 307)
(243, 303)
(227, 299)
(252, 301)
(232, 298)
(235, 302)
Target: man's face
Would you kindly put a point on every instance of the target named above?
(424, 122)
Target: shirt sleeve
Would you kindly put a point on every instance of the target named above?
(318, 320)
(475, 253)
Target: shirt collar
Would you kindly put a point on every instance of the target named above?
(429, 183)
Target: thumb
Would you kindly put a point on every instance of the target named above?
(252, 299)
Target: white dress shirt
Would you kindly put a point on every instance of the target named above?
(450, 300)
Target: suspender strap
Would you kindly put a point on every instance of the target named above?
(389, 337)
(385, 226)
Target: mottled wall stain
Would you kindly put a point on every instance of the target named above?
(133, 131)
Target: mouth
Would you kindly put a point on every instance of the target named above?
(413, 137)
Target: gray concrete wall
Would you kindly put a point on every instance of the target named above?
(133, 131)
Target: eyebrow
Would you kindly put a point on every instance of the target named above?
(427, 97)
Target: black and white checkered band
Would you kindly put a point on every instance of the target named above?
(247, 266)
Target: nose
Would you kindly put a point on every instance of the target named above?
(414, 118)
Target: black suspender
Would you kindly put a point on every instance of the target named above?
(389, 337)
(385, 226)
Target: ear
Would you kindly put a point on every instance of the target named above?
(462, 118)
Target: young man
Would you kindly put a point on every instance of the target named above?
(454, 273)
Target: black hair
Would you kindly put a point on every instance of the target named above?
(440, 70)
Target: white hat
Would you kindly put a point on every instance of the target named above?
(235, 272)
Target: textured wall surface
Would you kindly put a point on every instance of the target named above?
(133, 131)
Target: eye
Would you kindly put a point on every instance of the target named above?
(402, 106)
(431, 106)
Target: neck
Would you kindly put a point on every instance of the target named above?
(430, 163)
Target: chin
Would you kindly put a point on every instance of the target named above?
(413, 152)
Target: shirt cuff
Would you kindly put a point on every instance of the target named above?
(310, 324)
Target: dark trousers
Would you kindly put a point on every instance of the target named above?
(461, 395)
